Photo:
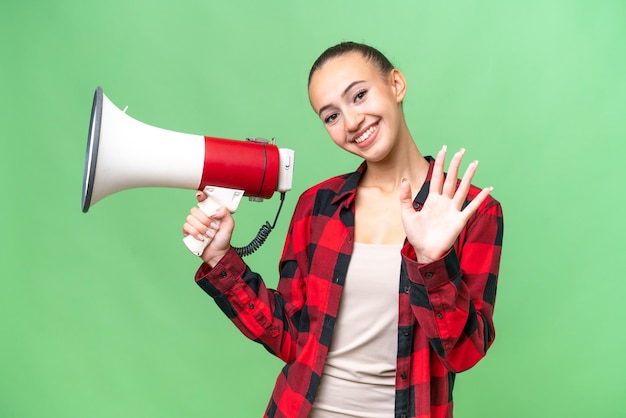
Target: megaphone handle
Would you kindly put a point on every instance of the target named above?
(216, 198)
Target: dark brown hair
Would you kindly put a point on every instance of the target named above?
(368, 52)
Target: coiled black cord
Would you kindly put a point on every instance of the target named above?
(262, 235)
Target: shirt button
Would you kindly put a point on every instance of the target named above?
(223, 274)
(406, 289)
(403, 375)
(273, 331)
(439, 315)
(251, 305)
(416, 205)
(405, 332)
(429, 275)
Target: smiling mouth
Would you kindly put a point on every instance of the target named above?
(365, 134)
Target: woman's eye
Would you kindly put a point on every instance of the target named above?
(330, 118)
(360, 95)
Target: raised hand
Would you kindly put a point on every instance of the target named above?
(433, 230)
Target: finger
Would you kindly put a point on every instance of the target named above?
(188, 229)
(200, 196)
(196, 227)
(466, 182)
(199, 214)
(436, 180)
(449, 186)
(477, 201)
(201, 221)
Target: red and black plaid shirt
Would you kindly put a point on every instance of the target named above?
(445, 307)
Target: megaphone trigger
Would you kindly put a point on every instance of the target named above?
(216, 198)
(220, 196)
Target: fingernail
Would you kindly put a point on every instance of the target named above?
(462, 150)
(444, 148)
(200, 237)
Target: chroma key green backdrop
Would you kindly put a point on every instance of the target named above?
(99, 314)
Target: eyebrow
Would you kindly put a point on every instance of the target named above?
(345, 91)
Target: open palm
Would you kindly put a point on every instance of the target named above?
(433, 230)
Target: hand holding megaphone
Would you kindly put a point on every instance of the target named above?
(207, 224)
(209, 203)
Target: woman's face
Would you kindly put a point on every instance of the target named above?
(360, 108)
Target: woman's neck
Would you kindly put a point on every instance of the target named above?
(405, 162)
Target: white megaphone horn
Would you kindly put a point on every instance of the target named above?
(123, 153)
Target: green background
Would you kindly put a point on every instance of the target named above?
(99, 313)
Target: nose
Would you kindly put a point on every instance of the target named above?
(353, 120)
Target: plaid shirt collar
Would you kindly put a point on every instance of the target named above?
(348, 192)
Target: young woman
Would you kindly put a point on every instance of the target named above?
(384, 294)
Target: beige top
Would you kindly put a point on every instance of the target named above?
(359, 374)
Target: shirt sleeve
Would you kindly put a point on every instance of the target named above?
(453, 298)
(267, 316)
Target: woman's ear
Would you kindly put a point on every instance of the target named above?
(398, 84)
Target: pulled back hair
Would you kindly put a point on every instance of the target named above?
(369, 53)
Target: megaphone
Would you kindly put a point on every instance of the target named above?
(124, 153)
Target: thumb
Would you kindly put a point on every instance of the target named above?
(405, 193)
(223, 215)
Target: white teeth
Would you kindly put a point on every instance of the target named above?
(365, 135)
